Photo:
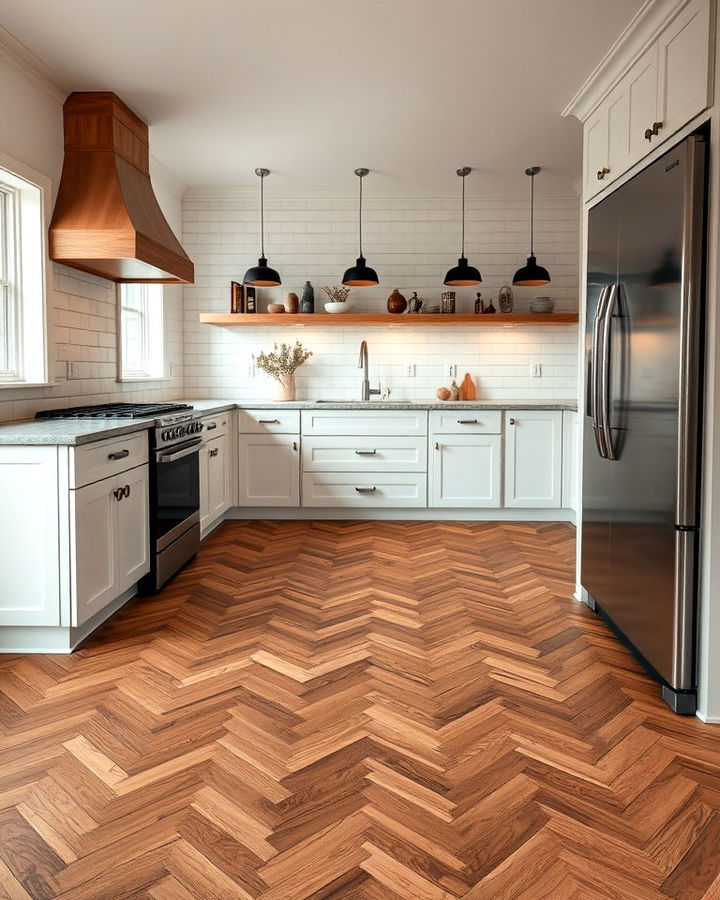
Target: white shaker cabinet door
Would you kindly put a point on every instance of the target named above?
(465, 470)
(570, 454)
(30, 570)
(533, 458)
(218, 477)
(268, 470)
(683, 67)
(93, 513)
(133, 539)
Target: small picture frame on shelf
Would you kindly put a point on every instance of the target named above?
(237, 298)
(250, 300)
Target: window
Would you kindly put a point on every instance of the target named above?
(22, 275)
(141, 332)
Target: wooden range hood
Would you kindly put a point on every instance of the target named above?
(107, 220)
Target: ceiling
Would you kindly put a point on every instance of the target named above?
(409, 88)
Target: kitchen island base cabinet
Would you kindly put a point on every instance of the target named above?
(533, 459)
(268, 470)
(465, 470)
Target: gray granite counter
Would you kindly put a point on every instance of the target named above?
(72, 432)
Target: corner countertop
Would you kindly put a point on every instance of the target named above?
(73, 432)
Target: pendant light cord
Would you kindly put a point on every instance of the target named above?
(360, 216)
(462, 254)
(532, 214)
(262, 217)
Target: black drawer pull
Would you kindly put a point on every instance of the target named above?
(468, 422)
(120, 454)
(214, 452)
(366, 452)
(366, 490)
(212, 426)
(268, 421)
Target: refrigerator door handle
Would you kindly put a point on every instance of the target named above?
(596, 372)
(604, 379)
(690, 335)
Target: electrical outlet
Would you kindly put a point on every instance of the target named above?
(410, 370)
(535, 370)
(451, 370)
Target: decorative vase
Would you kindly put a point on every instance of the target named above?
(275, 308)
(307, 301)
(505, 299)
(447, 299)
(284, 388)
(292, 303)
(334, 307)
(396, 302)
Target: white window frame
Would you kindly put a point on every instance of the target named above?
(148, 310)
(24, 196)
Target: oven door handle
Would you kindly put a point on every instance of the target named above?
(185, 450)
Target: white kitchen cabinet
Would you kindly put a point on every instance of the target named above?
(30, 562)
(397, 453)
(683, 88)
(662, 90)
(533, 459)
(465, 470)
(268, 470)
(383, 490)
(109, 540)
(570, 460)
(214, 480)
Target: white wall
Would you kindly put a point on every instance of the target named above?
(82, 325)
(411, 242)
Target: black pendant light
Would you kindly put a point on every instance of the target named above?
(463, 273)
(360, 275)
(532, 275)
(262, 275)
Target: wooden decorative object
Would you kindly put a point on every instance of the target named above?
(467, 388)
(396, 303)
(443, 393)
(292, 303)
(107, 220)
(275, 308)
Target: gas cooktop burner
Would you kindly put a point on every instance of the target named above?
(113, 411)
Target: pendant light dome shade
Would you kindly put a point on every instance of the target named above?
(361, 274)
(262, 275)
(463, 274)
(531, 274)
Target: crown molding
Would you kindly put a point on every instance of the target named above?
(640, 32)
(23, 60)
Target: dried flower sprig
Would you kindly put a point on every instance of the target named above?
(337, 294)
(283, 360)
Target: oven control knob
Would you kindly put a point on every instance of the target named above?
(165, 435)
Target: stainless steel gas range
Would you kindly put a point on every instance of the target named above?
(175, 439)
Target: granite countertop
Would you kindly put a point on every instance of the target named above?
(72, 432)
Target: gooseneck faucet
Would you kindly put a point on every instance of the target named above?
(367, 391)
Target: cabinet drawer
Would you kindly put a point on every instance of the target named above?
(364, 454)
(466, 421)
(216, 425)
(91, 462)
(264, 421)
(364, 421)
(362, 489)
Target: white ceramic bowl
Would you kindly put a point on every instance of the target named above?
(344, 307)
(542, 305)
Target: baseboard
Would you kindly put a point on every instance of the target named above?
(57, 639)
(707, 720)
(409, 514)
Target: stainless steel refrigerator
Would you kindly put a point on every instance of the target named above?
(642, 423)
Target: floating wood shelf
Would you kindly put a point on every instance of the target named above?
(320, 320)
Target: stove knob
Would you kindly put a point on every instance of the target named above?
(165, 435)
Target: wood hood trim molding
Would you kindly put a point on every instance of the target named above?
(107, 220)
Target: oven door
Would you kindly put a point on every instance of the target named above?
(177, 491)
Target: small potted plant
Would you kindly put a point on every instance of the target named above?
(281, 365)
(339, 302)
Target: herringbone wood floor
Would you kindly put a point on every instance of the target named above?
(355, 710)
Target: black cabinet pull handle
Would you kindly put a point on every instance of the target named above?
(120, 454)
(212, 426)
(118, 493)
(269, 421)
(366, 452)
(214, 452)
(512, 421)
(467, 422)
(366, 490)
(126, 490)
